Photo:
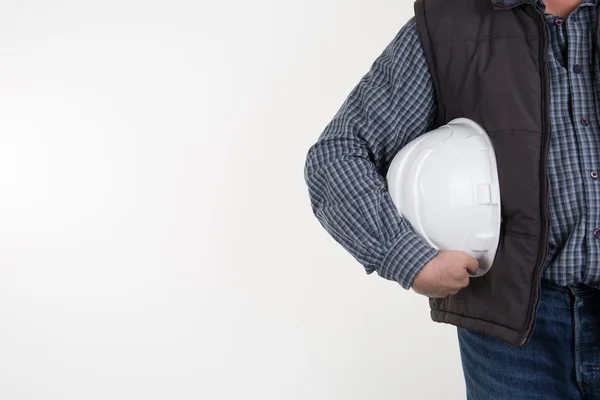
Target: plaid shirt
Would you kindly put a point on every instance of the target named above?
(395, 102)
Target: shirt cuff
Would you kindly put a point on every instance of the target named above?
(405, 258)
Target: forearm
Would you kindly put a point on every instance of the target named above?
(393, 104)
(350, 199)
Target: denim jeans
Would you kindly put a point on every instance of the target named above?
(562, 360)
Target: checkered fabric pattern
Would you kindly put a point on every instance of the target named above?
(395, 102)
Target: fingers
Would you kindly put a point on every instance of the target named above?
(472, 265)
(465, 281)
(447, 276)
(461, 282)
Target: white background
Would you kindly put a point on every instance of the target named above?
(156, 237)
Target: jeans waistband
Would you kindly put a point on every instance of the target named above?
(573, 288)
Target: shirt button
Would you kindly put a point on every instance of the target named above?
(558, 22)
(594, 174)
(577, 69)
(584, 121)
(597, 233)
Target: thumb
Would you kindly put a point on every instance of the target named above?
(472, 265)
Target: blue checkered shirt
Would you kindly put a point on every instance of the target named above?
(395, 102)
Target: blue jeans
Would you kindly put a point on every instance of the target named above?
(562, 360)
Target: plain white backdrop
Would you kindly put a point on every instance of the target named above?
(156, 237)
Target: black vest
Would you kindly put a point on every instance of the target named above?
(487, 60)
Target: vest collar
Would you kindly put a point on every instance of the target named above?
(504, 4)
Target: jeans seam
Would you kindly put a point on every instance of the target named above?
(577, 360)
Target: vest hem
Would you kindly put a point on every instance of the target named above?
(497, 331)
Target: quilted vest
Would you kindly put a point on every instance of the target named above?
(487, 61)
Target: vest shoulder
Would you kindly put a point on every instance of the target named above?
(448, 19)
(454, 4)
(463, 11)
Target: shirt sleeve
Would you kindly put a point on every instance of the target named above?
(391, 105)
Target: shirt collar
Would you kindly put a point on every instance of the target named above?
(513, 3)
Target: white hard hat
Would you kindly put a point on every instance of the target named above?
(445, 184)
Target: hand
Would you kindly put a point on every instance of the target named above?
(445, 274)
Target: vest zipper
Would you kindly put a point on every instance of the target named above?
(544, 173)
